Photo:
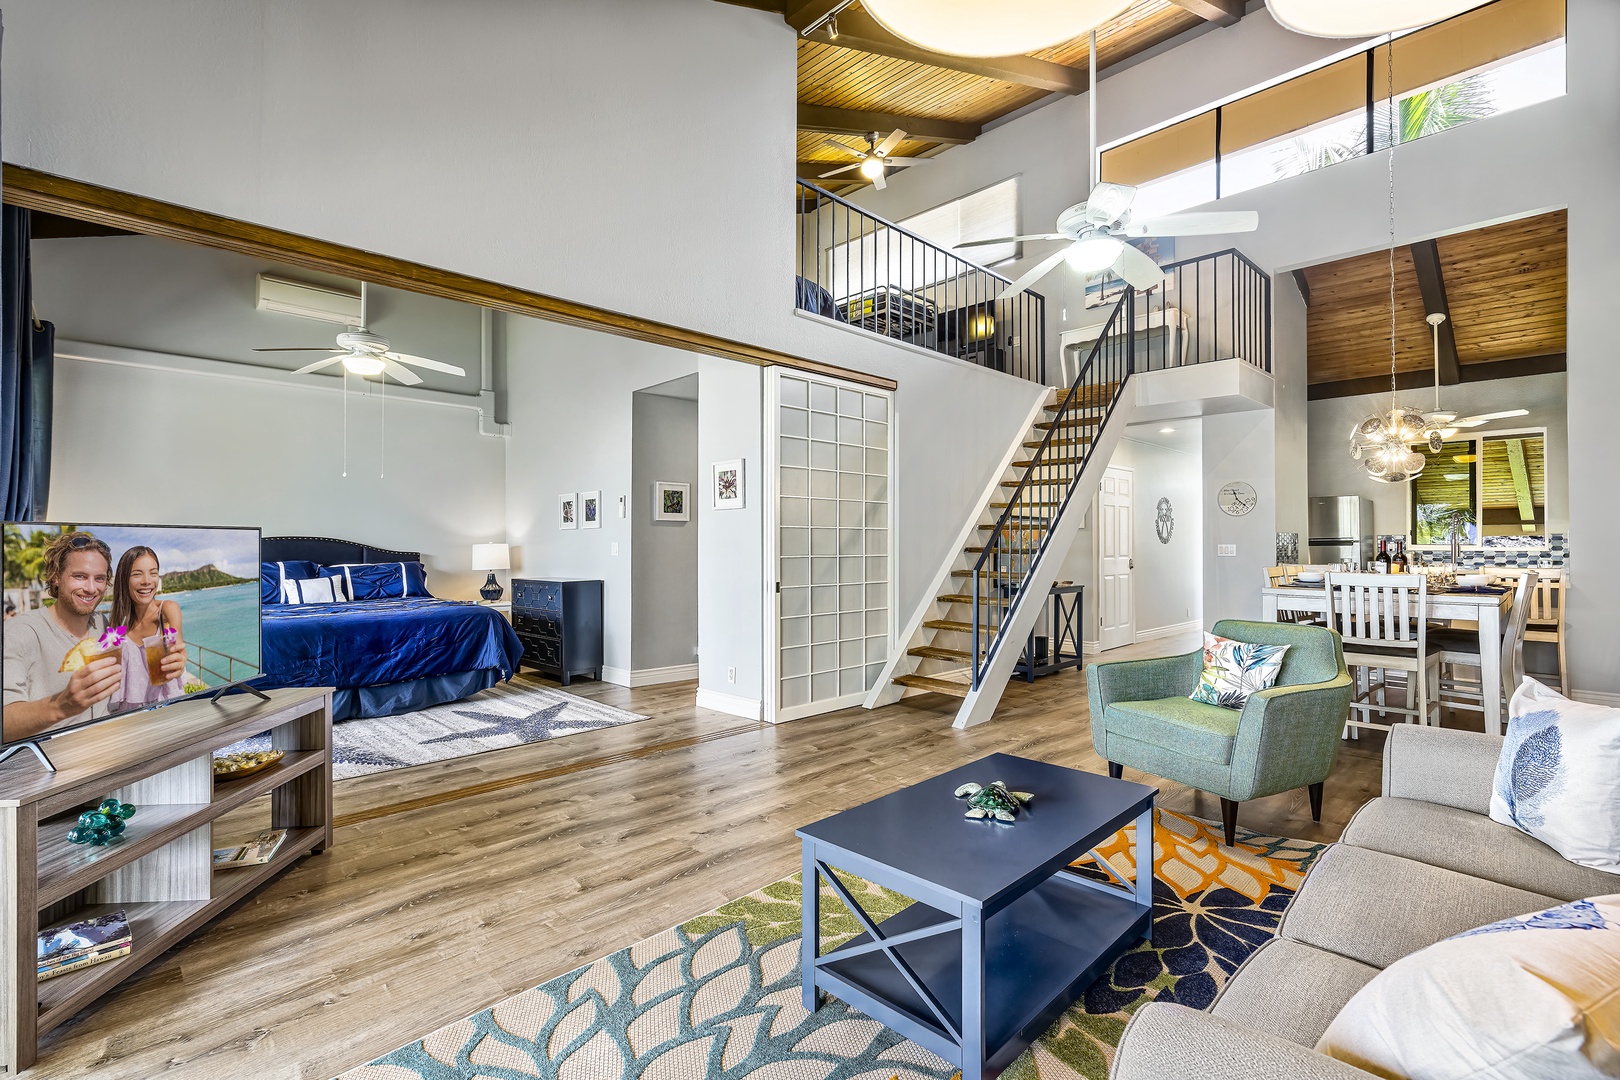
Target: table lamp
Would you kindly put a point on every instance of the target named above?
(491, 557)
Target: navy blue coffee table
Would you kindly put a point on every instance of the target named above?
(1004, 936)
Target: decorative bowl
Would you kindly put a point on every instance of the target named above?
(1310, 577)
(245, 763)
(1473, 581)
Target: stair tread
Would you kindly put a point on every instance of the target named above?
(955, 598)
(1077, 441)
(937, 686)
(1044, 504)
(1028, 525)
(935, 652)
(957, 625)
(1035, 483)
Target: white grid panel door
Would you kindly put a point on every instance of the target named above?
(833, 542)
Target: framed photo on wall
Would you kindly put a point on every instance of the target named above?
(728, 491)
(568, 511)
(671, 501)
(590, 509)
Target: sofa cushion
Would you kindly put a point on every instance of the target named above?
(1377, 908)
(1290, 990)
(1180, 724)
(1472, 844)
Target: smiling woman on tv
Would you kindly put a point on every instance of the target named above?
(153, 656)
(39, 695)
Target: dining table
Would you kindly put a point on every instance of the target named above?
(1487, 606)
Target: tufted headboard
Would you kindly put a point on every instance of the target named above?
(329, 552)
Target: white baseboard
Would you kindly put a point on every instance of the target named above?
(1597, 697)
(659, 675)
(618, 676)
(1090, 647)
(1169, 631)
(730, 704)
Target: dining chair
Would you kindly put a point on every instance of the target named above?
(1545, 620)
(1381, 619)
(1280, 575)
(1460, 648)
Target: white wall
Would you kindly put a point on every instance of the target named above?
(1238, 447)
(663, 554)
(189, 442)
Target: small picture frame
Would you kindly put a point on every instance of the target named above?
(590, 509)
(568, 511)
(729, 492)
(671, 501)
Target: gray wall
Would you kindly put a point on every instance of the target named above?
(1334, 473)
(1168, 578)
(1238, 446)
(663, 554)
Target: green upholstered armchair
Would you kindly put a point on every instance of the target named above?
(1285, 737)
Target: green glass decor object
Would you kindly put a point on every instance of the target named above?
(993, 803)
(102, 826)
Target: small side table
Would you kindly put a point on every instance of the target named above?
(1063, 625)
(502, 606)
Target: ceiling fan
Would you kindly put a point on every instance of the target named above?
(1097, 229)
(366, 354)
(875, 159)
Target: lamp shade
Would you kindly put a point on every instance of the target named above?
(1363, 18)
(492, 557)
(977, 28)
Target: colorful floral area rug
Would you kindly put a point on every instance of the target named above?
(718, 998)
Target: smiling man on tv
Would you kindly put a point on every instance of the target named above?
(38, 696)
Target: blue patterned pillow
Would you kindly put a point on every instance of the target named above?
(1235, 669)
(1558, 778)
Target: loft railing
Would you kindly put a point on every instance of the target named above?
(857, 268)
(1213, 307)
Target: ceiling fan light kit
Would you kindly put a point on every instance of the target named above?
(1363, 18)
(1094, 253)
(978, 28)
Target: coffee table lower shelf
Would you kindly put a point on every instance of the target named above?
(1040, 954)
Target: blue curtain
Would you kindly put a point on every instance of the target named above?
(27, 360)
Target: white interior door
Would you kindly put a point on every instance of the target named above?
(1116, 614)
(831, 537)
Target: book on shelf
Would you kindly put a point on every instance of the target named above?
(256, 852)
(89, 959)
(82, 943)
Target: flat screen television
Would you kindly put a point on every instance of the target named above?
(107, 620)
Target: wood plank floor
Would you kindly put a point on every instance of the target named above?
(456, 884)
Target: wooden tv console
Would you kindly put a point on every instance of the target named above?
(162, 873)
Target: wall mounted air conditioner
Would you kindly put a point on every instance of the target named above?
(308, 301)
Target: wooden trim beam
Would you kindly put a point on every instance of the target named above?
(812, 170)
(1418, 380)
(136, 213)
(1219, 12)
(1432, 284)
(834, 121)
(862, 33)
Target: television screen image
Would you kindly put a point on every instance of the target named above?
(104, 620)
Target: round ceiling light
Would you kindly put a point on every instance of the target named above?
(975, 28)
(363, 363)
(1094, 254)
(872, 167)
(1364, 18)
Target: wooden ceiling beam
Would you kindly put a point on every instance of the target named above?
(1219, 12)
(862, 33)
(1432, 284)
(802, 14)
(1416, 380)
(812, 170)
(1304, 285)
(834, 121)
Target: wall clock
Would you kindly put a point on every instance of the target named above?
(1237, 498)
(1165, 523)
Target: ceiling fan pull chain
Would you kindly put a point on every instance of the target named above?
(382, 454)
(345, 392)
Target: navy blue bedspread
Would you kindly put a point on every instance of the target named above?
(373, 642)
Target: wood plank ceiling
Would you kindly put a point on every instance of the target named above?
(1504, 289)
(866, 79)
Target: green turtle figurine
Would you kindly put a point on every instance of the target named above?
(995, 802)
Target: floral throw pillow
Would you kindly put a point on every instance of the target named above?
(1235, 669)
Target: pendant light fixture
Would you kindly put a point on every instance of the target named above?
(977, 28)
(1363, 18)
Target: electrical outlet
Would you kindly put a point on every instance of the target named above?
(1226, 549)
(731, 675)
(615, 549)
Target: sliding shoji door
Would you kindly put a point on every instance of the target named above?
(829, 538)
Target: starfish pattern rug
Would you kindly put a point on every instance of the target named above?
(492, 719)
(718, 997)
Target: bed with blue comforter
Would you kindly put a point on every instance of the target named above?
(387, 654)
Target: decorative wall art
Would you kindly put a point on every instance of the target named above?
(728, 485)
(1165, 523)
(590, 509)
(671, 502)
(568, 511)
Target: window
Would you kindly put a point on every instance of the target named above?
(1491, 60)
(1497, 484)
(888, 257)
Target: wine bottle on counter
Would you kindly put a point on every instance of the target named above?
(1382, 560)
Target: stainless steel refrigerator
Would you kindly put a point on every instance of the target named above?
(1341, 530)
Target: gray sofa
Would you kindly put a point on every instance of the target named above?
(1414, 867)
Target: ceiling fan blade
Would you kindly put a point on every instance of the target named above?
(902, 162)
(835, 172)
(1107, 202)
(402, 374)
(879, 182)
(1136, 268)
(845, 147)
(424, 362)
(890, 143)
(319, 364)
(300, 348)
(1207, 224)
(1485, 418)
(1015, 239)
(1044, 267)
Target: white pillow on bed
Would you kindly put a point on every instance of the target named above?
(321, 590)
